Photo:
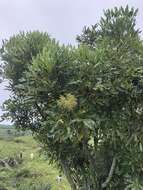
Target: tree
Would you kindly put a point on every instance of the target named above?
(17, 53)
(84, 105)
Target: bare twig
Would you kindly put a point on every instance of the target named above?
(104, 185)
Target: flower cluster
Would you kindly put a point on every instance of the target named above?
(67, 102)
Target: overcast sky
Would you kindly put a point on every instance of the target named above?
(62, 19)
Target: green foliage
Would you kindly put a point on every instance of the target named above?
(85, 104)
(134, 185)
(37, 187)
(17, 53)
(117, 24)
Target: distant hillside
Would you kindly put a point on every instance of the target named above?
(10, 132)
(6, 126)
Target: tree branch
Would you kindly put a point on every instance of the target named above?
(104, 185)
(40, 111)
(68, 175)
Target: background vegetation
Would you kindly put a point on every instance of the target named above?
(30, 174)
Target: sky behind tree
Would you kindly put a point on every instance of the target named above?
(62, 19)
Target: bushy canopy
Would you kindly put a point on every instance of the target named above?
(17, 53)
(85, 104)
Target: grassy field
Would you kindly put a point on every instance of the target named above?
(31, 171)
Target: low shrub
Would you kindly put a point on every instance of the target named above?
(36, 187)
(23, 173)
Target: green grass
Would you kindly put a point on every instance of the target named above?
(31, 171)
